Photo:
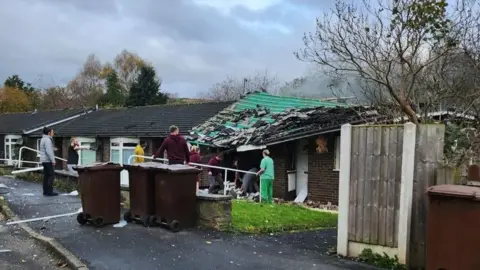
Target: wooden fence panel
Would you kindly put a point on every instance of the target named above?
(446, 176)
(428, 154)
(375, 184)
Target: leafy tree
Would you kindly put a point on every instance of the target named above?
(15, 81)
(127, 65)
(13, 100)
(114, 96)
(146, 89)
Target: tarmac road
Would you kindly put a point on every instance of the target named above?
(136, 247)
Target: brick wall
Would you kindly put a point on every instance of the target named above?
(279, 154)
(64, 151)
(322, 178)
(27, 154)
(103, 152)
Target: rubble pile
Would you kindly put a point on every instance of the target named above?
(310, 204)
(258, 126)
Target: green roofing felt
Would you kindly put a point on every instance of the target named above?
(278, 104)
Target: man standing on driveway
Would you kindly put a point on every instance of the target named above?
(47, 158)
(266, 177)
(176, 147)
(215, 175)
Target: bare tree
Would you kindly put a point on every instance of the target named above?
(390, 46)
(234, 88)
(88, 86)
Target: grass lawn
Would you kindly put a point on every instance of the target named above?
(267, 218)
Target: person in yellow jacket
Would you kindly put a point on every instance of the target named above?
(140, 151)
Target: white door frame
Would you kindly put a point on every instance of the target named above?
(8, 147)
(84, 140)
(301, 183)
(120, 147)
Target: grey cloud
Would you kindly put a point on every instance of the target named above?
(191, 46)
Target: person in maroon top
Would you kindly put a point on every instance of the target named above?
(196, 158)
(215, 175)
(176, 147)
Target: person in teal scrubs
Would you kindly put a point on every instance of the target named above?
(266, 177)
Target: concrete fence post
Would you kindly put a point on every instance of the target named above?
(344, 189)
(406, 191)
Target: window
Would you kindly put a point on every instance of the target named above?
(337, 153)
(121, 149)
(86, 156)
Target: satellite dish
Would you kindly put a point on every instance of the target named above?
(20, 140)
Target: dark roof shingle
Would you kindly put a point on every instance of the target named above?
(147, 121)
(16, 123)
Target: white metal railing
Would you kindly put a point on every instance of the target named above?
(9, 159)
(20, 161)
(225, 181)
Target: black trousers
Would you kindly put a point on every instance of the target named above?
(48, 175)
(174, 162)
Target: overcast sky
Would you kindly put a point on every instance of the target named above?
(192, 43)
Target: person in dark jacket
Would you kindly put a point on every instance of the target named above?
(215, 175)
(176, 147)
(196, 158)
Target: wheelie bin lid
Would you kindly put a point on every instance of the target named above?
(156, 166)
(105, 166)
(455, 191)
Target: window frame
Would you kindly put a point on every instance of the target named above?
(119, 144)
(85, 140)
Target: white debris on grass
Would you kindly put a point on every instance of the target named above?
(28, 194)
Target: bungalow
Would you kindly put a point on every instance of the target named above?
(301, 134)
(16, 130)
(113, 134)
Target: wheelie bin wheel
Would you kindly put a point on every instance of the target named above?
(153, 220)
(128, 216)
(145, 221)
(174, 226)
(97, 222)
(81, 219)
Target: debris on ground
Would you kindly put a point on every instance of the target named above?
(310, 204)
(73, 193)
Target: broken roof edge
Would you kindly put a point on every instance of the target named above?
(249, 147)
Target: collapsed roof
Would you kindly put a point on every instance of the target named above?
(259, 126)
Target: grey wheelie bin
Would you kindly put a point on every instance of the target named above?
(99, 186)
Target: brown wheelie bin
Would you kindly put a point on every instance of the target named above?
(142, 191)
(175, 195)
(452, 227)
(99, 186)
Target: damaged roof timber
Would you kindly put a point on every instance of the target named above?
(258, 126)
